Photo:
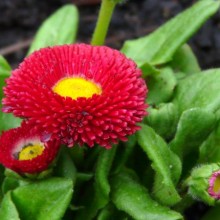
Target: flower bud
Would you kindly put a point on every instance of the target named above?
(204, 183)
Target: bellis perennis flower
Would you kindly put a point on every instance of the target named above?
(78, 94)
(22, 150)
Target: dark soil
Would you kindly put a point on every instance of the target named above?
(20, 19)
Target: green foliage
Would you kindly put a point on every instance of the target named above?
(40, 200)
(199, 90)
(185, 61)
(5, 67)
(8, 210)
(101, 191)
(162, 117)
(131, 197)
(9, 184)
(65, 166)
(5, 70)
(148, 70)
(193, 128)
(43, 200)
(159, 47)
(166, 164)
(210, 148)
(127, 151)
(142, 178)
(103, 167)
(7, 120)
(60, 28)
(161, 86)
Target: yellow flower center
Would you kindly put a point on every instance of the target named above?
(216, 187)
(76, 87)
(30, 152)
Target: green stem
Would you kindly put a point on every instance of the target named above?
(104, 18)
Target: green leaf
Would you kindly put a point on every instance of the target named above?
(131, 197)
(103, 167)
(166, 164)
(161, 86)
(101, 185)
(8, 209)
(199, 90)
(162, 117)
(43, 200)
(12, 182)
(9, 184)
(60, 28)
(108, 213)
(92, 157)
(159, 47)
(77, 154)
(193, 128)
(65, 166)
(210, 149)
(148, 70)
(8, 121)
(5, 70)
(184, 60)
(104, 215)
(4, 66)
(124, 153)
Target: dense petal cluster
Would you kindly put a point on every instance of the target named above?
(22, 150)
(109, 115)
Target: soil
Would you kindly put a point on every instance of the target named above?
(20, 19)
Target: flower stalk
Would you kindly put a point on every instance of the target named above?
(104, 18)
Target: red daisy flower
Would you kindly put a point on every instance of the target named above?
(79, 94)
(22, 150)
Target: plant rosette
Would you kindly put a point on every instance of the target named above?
(129, 125)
